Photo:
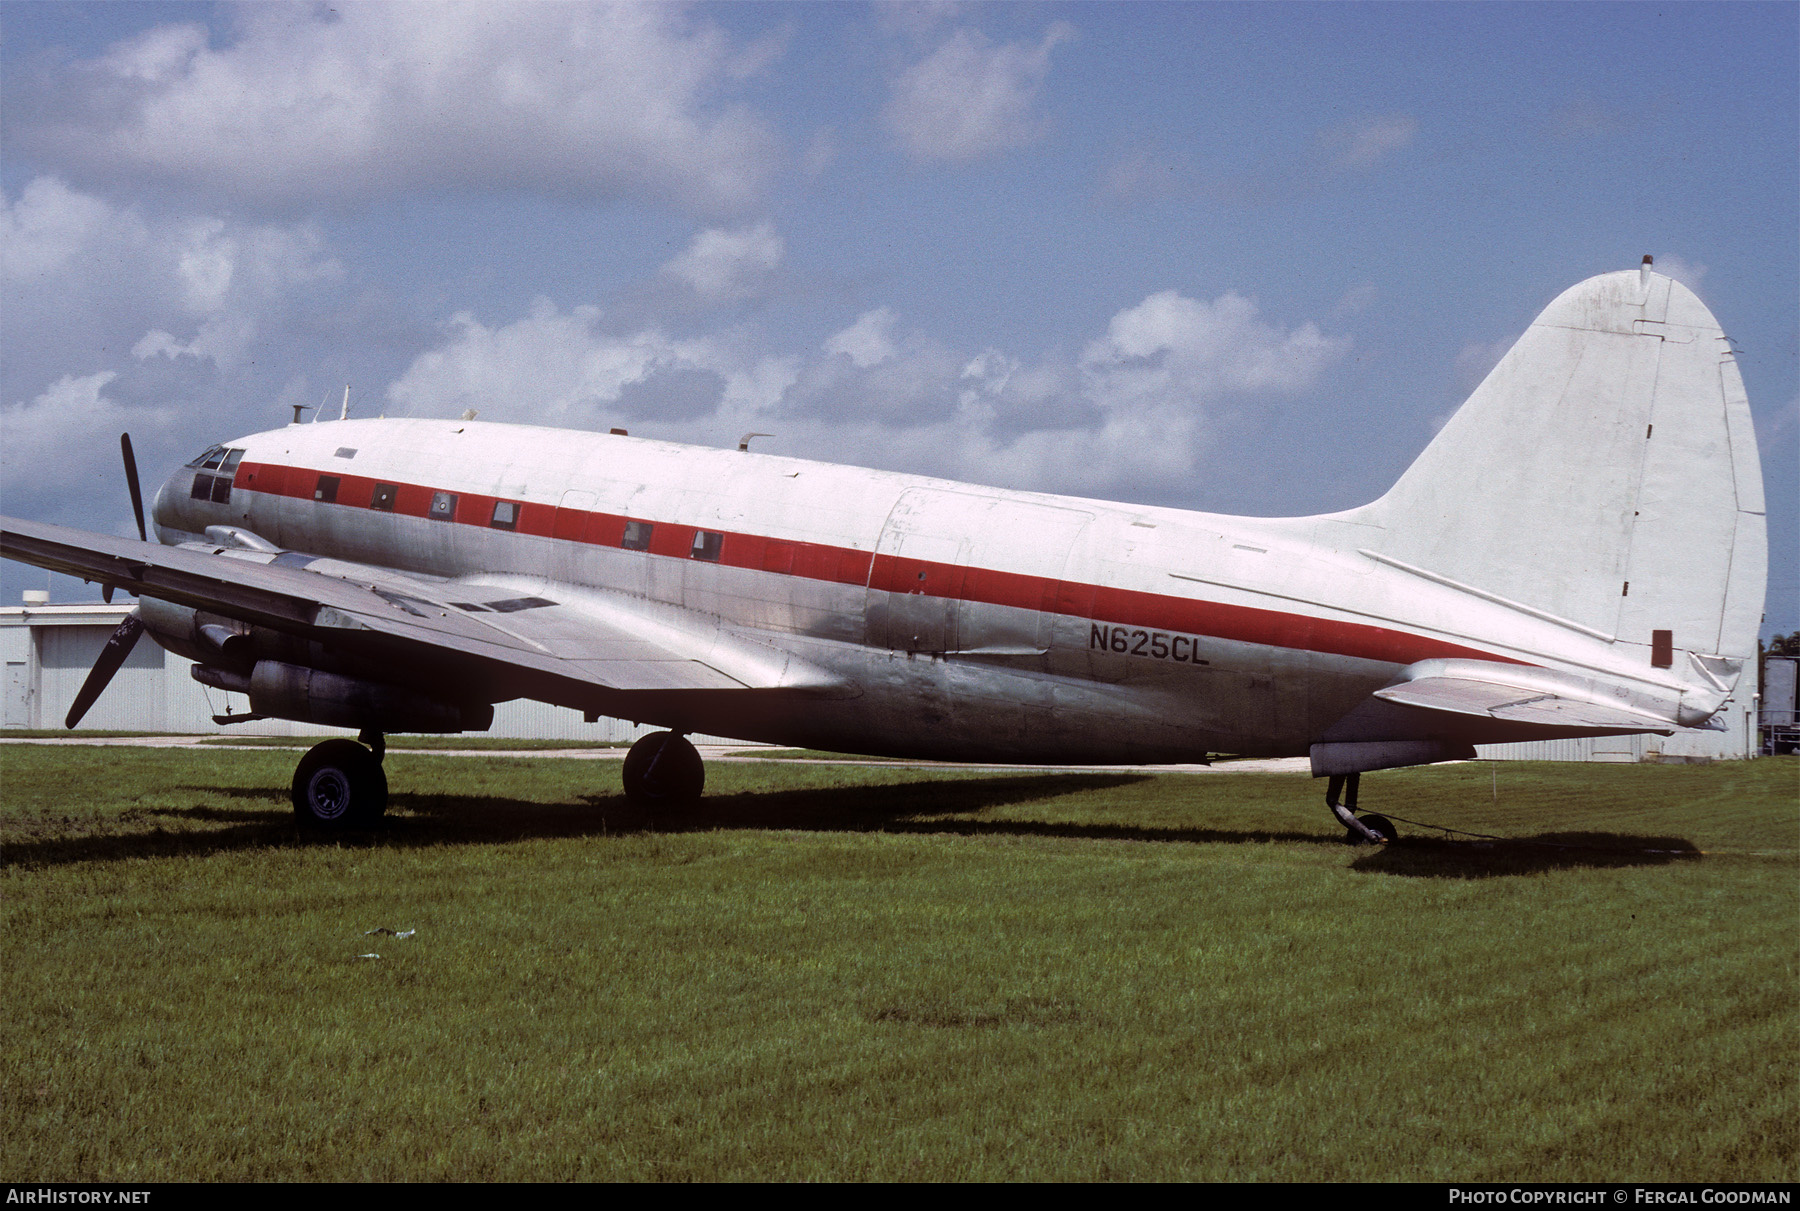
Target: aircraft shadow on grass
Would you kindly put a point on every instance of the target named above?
(942, 807)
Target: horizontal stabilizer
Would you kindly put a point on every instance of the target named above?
(1510, 703)
(1445, 705)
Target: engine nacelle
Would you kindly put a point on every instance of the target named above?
(210, 639)
(291, 691)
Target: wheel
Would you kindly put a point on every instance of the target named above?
(1383, 827)
(664, 770)
(339, 784)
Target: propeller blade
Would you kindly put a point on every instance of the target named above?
(131, 480)
(111, 657)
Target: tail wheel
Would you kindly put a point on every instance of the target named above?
(1380, 825)
(339, 784)
(664, 770)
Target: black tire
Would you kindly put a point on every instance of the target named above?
(664, 770)
(339, 784)
(1382, 826)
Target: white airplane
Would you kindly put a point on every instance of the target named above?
(1580, 551)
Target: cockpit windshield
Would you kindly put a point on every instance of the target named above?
(216, 466)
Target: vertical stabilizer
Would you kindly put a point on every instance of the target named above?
(1605, 472)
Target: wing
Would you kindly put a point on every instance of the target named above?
(509, 637)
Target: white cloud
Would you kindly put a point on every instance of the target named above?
(67, 435)
(308, 103)
(722, 266)
(970, 99)
(1176, 346)
(549, 367)
(1136, 412)
(82, 275)
(867, 342)
(179, 329)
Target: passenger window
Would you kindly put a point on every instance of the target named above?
(443, 506)
(384, 497)
(506, 515)
(707, 544)
(637, 536)
(327, 489)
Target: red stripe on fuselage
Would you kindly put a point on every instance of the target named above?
(895, 574)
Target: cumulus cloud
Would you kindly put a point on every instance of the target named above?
(65, 436)
(723, 266)
(180, 329)
(309, 104)
(1135, 411)
(570, 368)
(970, 99)
(82, 275)
(867, 342)
(1173, 346)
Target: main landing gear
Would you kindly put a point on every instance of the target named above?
(340, 784)
(1358, 830)
(664, 770)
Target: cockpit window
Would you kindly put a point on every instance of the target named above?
(217, 466)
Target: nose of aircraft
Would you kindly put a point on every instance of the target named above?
(161, 508)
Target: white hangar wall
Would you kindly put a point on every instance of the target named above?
(48, 650)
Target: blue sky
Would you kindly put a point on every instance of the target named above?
(1241, 258)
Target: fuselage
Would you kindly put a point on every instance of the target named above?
(973, 623)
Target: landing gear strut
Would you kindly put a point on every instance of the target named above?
(1358, 830)
(664, 770)
(340, 784)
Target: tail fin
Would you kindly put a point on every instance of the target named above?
(1605, 472)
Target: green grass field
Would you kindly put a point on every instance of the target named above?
(837, 972)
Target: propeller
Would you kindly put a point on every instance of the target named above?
(111, 657)
(117, 648)
(137, 506)
(131, 481)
